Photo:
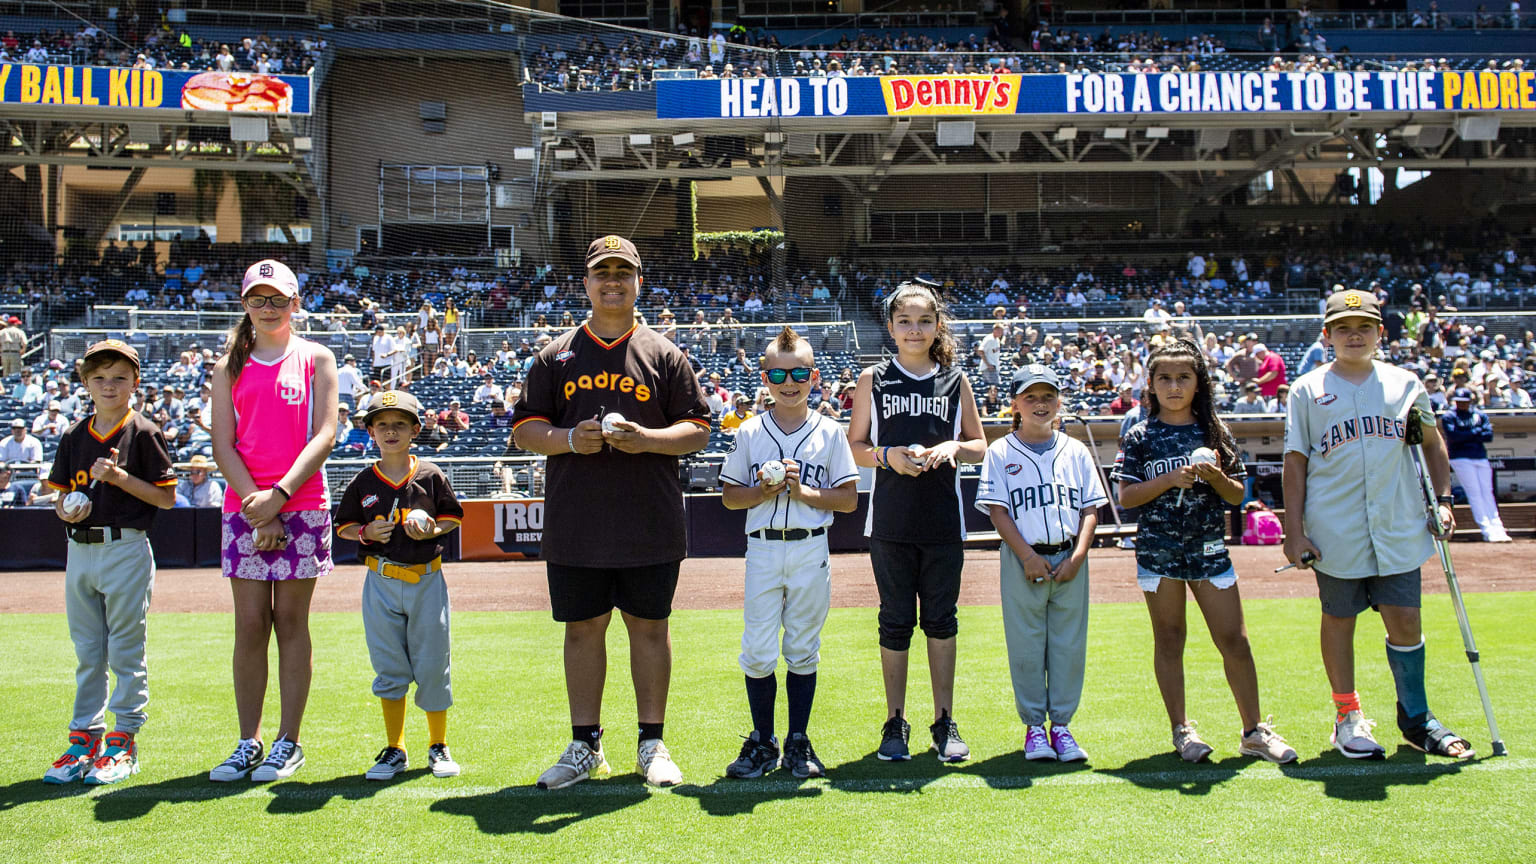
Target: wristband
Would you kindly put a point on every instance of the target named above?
(570, 438)
(884, 457)
(278, 488)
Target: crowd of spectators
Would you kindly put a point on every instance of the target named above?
(162, 48)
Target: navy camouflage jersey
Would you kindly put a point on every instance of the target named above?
(1180, 541)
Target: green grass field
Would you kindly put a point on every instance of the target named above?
(1135, 801)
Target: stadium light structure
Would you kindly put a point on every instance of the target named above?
(1066, 133)
(639, 139)
(523, 153)
(565, 153)
(1157, 131)
(1116, 133)
(683, 139)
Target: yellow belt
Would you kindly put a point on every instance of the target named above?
(411, 573)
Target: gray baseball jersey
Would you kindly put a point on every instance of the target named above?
(819, 446)
(1044, 493)
(1364, 507)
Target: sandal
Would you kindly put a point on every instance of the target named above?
(1436, 740)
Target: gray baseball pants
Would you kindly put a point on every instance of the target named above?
(1046, 627)
(107, 587)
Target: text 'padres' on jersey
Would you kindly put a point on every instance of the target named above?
(1364, 506)
(371, 497)
(819, 446)
(1044, 493)
(141, 451)
(1181, 537)
(580, 376)
(915, 409)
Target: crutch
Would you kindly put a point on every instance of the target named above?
(1415, 441)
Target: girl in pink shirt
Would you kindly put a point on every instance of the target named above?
(274, 420)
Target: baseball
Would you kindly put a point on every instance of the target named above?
(773, 472)
(421, 519)
(74, 502)
(611, 422)
(916, 451)
(1203, 456)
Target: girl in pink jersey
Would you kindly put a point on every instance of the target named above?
(274, 419)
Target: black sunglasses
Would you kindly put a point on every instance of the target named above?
(799, 373)
(256, 301)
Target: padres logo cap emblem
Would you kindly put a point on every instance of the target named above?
(115, 343)
(266, 270)
(1352, 300)
(612, 241)
(389, 400)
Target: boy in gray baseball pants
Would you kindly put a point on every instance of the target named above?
(115, 470)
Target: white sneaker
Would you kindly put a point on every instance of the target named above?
(1037, 745)
(441, 761)
(655, 762)
(1352, 737)
(576, 764)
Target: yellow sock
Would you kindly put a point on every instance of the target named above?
(394, 721)
(437, 726)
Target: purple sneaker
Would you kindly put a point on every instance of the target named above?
(1066, 746)
(1037, 745)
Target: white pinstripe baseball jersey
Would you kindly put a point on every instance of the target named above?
(819, 446)
(1044, 493)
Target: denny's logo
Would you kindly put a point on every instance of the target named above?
(606, 381)
(951, 94)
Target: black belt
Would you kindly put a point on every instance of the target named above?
(1046, 549)
(94, 535)
(791, 534)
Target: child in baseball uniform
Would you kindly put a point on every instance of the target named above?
(1354, 514)
(788, 585)
(1042, 490)
(118, 462)
(1181, 467)
(405, 598)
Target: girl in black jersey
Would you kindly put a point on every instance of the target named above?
(914, 417)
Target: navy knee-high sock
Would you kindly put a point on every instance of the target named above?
(802, 692)
(761, 693)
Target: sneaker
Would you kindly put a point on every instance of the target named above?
(1187, 743)
(893, 740)
(389, 764)
(1266, 743)
(240, 763)
(1037, 745)
(76, 761)
(800, 757)
(282, 760)
(577, 763)
(654, 760)
(946, 740)
(1126, 543)
(1352, 737)
(757, 757)
(118, 762)
(441, 761)
(1066, 747)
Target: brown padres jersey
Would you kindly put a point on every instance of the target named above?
(141, 451)
(371, 497)
(612, 509)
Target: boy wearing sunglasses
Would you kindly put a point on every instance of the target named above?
(788, 586)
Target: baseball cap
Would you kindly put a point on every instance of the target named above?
(612, 246)
(18, 423)
(1032, 374)
(13, 320)
(114, 346)
(1343, 304)
(54, 405)
(273, 274)
(1462, 394)
(394, 400)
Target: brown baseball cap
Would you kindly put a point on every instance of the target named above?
(394, 400)
(1344, 304)
(114, 346)
(612, 246)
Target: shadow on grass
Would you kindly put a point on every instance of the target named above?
(35, 790)
(289, 798)
(1167, 772)
(1371, 779)
(131, 800)
(528, 810)
(727, 796)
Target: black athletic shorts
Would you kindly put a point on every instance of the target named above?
(580, 593)
(919, 584)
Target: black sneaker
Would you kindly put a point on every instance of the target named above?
(284, 758)
(946, 740)
(800, 757)
(893, 740)
(757, 757)
(240, 763)
(389, 764)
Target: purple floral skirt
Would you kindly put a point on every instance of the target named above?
(307, 555)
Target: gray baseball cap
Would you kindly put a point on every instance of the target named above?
(1033, 374)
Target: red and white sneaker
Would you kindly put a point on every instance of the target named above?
(118, 762)
(76, 761)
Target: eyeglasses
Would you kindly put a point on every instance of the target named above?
(799, 373)
(256, 301)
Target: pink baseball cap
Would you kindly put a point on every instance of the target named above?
(273, 274)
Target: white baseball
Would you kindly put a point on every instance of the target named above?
(74, 502)
(421, 519)
(773, 472)
(1203, 456)
(611, 422)
(916, 451)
